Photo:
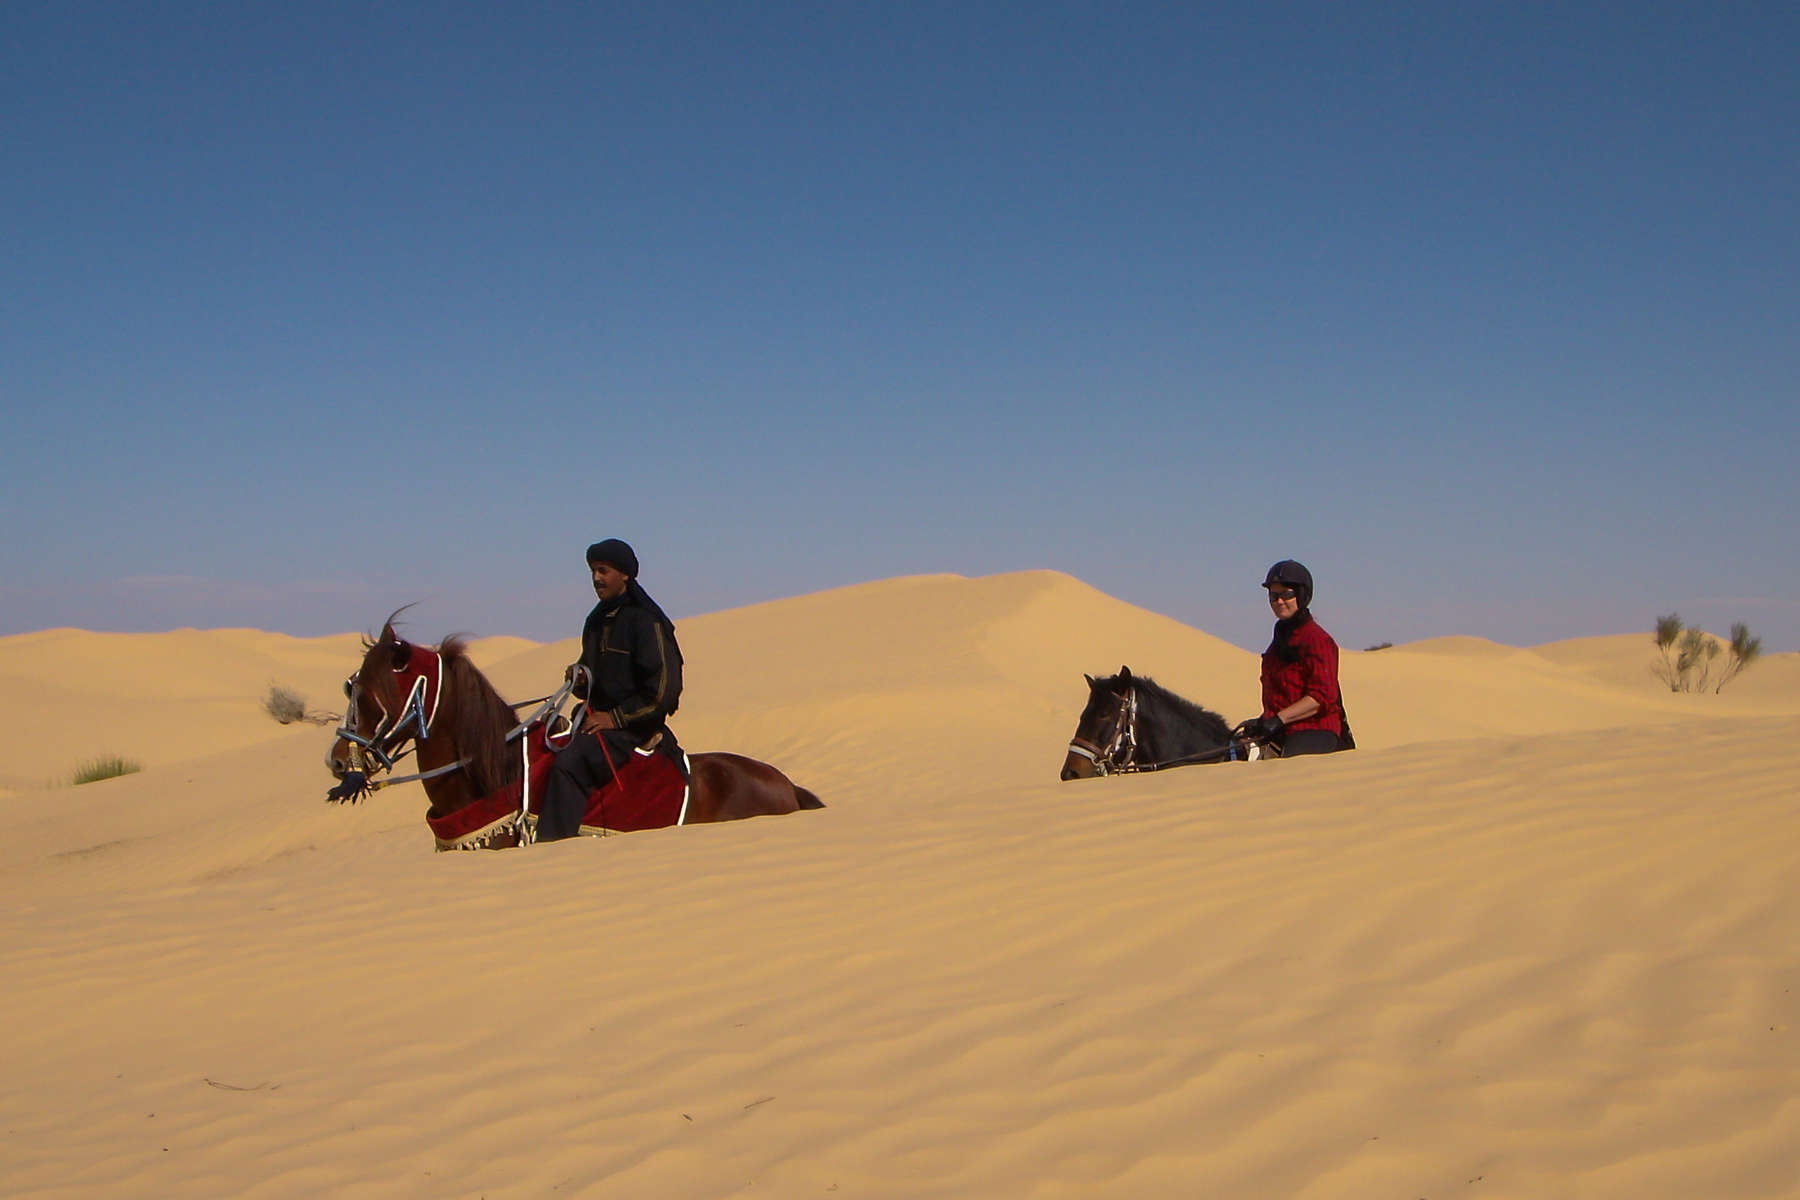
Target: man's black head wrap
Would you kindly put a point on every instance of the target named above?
(620, 556)
(614, 553)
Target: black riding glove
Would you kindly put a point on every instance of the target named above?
(1262, 729)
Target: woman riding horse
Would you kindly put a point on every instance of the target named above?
(1303, 707)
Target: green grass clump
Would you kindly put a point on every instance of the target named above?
(109, 766)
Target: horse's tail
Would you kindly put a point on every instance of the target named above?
(806, 799)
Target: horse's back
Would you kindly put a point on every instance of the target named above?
(728, 786)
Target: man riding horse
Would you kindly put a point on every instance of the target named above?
(630, 676)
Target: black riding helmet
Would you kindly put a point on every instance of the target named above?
(1294, 575)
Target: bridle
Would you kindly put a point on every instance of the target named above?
(412, 723)
(1119, 755)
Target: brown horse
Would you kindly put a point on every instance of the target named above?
(465, 735)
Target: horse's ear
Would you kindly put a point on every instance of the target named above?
(1090, 680)
(402, 653)
(1125, 674)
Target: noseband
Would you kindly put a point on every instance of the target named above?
(1119, 755)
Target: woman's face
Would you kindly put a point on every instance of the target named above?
(1284, 602)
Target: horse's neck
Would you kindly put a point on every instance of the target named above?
(451, 790)
(458, 789)
(1166, 732)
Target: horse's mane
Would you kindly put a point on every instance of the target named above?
(1189, 712)
(479, 718)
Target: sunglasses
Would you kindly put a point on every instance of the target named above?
(1282, 594)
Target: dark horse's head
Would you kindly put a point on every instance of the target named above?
(1132, 723)
(405, 694)
(1104, 727)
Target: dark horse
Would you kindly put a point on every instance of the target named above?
(468, 747)
(1132, 723)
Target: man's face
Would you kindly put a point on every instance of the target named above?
(609, 581)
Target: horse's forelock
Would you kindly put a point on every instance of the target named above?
(375, 677)
(1102, 701)
(1115, 684)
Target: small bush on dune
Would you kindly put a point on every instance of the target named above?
(288, 706)
(284, 705)
(1379, 646)
(1690, 655)
(107, 767)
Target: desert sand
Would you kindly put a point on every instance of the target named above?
(1538, 937)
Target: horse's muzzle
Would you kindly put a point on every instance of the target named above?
(1078, 766)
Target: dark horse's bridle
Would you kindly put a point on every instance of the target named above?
(1119, 755)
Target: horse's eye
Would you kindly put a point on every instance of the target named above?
(349, 686)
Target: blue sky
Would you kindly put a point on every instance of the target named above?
(1487, 313)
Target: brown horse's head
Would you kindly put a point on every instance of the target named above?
(434, 700)
(378, 718)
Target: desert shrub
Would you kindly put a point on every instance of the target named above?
(1744, 650)
(1379, 646)
(284, 705)
(288, 706)
(109, 766)
(1690, 656)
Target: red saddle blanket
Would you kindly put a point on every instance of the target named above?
(648, 792)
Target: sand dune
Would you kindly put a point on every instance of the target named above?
(67, 695)
(1537, 938)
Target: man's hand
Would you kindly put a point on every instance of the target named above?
(598, 721)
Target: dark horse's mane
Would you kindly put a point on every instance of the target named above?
(1187, 711)
(472, 710)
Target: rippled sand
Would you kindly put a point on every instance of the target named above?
(1538, 938)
